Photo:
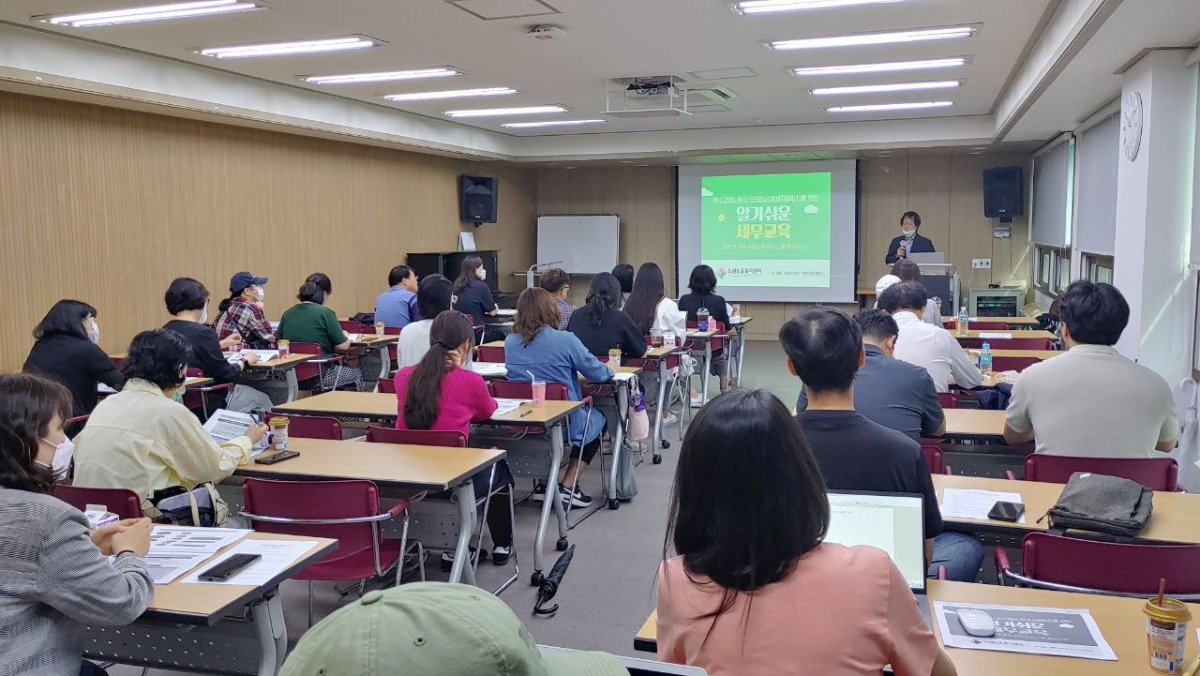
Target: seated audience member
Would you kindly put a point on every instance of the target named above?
(557, 283)
(1092, 401)
(600, 326)
(473, 297)
(56, 577)
(908, 271)
(624, 274)
(824, 348)
(930, 347)
(66, 352)
(434, 296)
(187, 300)
(651, 310)
(310, 321)
(242, 313)
(701, 283)
(893, 393)
(427, 628)
(752, 585)
(397, 307)
(144, 439)
(536, 347)
(439, 394)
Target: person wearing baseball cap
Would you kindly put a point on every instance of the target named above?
(242, 313)
(433, 628)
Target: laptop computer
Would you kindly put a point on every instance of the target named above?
(928, 258)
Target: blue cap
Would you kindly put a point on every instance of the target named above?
(241, 280)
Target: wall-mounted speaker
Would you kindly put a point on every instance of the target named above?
(1003, 193)
(477, 199)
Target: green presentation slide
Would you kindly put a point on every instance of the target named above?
(767, 229)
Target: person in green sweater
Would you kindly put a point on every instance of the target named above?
(309, 321)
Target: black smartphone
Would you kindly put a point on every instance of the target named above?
(1006, 511)
(229, 567)
(276, 457)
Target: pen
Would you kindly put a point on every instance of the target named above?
(525, 413)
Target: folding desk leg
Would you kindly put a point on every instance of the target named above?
(624, 390)
(741, 354)
(663, 405)
(385, 363)
(552, 501)
(465, 495)
(707, 368)
(272, 634)
(293, 386)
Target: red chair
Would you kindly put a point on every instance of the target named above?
(1007, 343)
(393, 349)
(1159, 474)
(933, 458)
(312, 426)
(493, 354)
(1018, 364)
(511, 389)
(351, 326)
(1072, 564)
(120, 501)
(948, 399)
(313, 368)
(196, 398)
(386, 386)
(347, 511)
(987, 326)
(73, 426)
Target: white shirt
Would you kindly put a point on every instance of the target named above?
(668, 318)
(936, 350)
(413, 343)
(1094, 402)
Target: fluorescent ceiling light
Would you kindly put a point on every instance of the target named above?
(551, 123)
(295, 47)
(175, 10)
(452, 94)
(384, 76)
(769, 6)
(895, 87)
(489, 112)
(889, 106)
(879, 67)
(881, 38)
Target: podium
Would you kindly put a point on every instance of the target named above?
(941, 281)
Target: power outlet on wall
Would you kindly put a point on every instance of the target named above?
(981, 263)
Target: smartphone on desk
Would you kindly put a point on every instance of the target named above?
(1006, 511)
(229, 567)
(276, 457)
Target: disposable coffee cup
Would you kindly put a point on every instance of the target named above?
(279, 432)
(1166, 634)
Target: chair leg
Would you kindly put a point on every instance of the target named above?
(404, 550)
(310, 603)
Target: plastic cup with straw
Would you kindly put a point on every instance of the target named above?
(1166, 631)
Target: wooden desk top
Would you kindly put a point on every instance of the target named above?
(1036, 354)
(865, 291)
(1174, 518)
(383, 406)
(284, 363)
(550, 413)
(972, 422)
(660, 352)
(701, 335)
(197, 382)
(205, 604)
(372, 340)
(1022, 333)
(741, 322)
(1120, 620)
(1023, 321)
(434, 468)
(494, 343)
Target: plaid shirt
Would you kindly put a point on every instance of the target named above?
(246, 318)
(565, 310)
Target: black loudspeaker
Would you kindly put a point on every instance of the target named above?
(477, 199)
(1003, 194)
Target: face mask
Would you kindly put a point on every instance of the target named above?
(204, 315)
(908, 234)
(177, 395)
(94, 333)
(62, 456)
(260, 294)
(482, 275)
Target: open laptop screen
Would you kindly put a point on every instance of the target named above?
(893, 522)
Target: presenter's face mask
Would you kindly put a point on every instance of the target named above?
(908, 233)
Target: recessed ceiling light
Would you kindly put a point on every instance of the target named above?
(889, 106)
(452, 94)
(894, 87)
(175, 10)
(293, 47)
(386, 76)
(489, 112)
(879, 67)
(880, 38)
(551, 123)
(769, 6)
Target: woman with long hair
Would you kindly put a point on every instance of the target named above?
(474, 298)
(67, 352)
(753, 589)
(310, 321)
(651, 310)
(56, 577)
(600, 326)
(439, 394)
(537, 349)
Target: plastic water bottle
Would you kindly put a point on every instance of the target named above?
(964, 321)
(985, 360)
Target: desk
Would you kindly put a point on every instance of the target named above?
(970, 423)
(1015, 323)
(1120, 620)
(622, 393)
(341, 403)
(1174, 518)
(370, 341)
(422, 468)
(285, 365)
(183, 628)
(659, 355)
(738, 332)
(706, 337)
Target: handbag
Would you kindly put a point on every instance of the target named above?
(638, 427)
(1102, 503)
(201, 506)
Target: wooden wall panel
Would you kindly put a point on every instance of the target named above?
(108, 206)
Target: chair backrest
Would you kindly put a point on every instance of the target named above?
(351, 326)
(315, 500)
(1008, 343)
(120, 501)
(511, 389)
(1159, 474)
(948, 399)
(393, 349)
(391, 435)
(313, 426)
(196, 398)
(1018, 364)
(987, 326)
(73, 426)
(933, 457)
(1110, 566)
(306, 370)
(491, 353)
(387, 386)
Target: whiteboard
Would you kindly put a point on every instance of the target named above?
(586, 245)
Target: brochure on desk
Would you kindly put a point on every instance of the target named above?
(224, 425)
(1065, 632)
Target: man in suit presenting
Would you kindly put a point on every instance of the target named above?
(908, 241)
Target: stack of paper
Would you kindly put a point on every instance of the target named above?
(509, 405)
(967, 503)
(174, 550)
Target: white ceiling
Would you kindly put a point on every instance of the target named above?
(606, 39)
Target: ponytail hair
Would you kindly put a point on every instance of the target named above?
(449, 330)
(227, 302)
(603, 293)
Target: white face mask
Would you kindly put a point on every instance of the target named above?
(260, 293)
(483, 275)
(204, 315)
(94, 333)
(62, 456)
(908, 234)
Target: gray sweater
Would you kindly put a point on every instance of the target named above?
(53, 580)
